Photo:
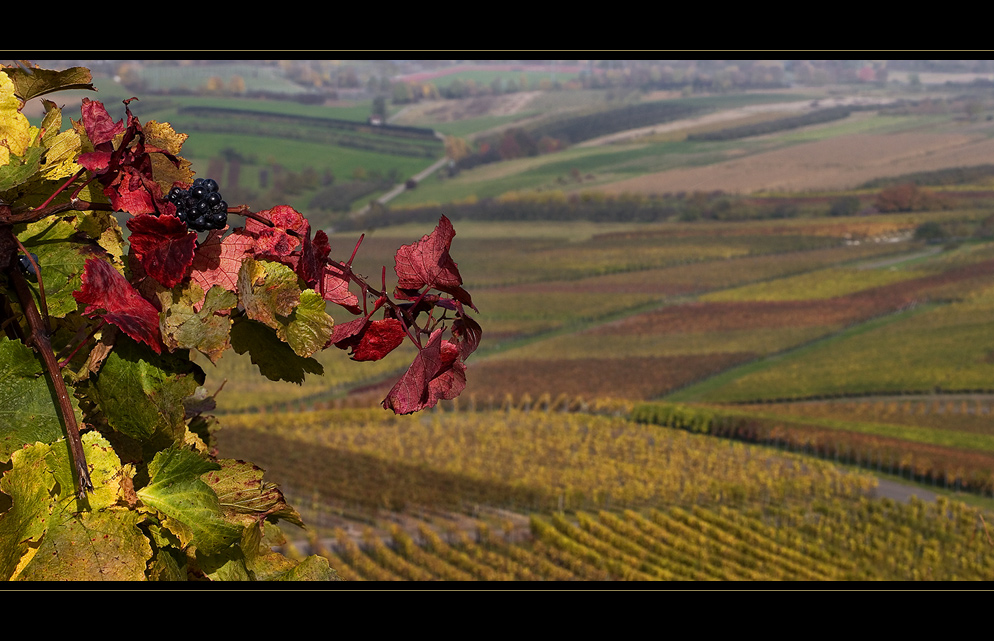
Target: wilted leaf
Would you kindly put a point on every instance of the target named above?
(206, 330)
(245, 497)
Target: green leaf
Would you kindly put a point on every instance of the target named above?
(166, 567)
(20, 169)
(228, 565)
(141, 393)
(313, 568)
(28, 411)
(309, 327)
(191, 508)
(206, 331)
(62, 256)
(276, 360)
(270, 293)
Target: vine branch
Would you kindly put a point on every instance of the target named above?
(38, 339)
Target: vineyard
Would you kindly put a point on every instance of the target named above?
(548, 495)
(729, 349)
(654, 433)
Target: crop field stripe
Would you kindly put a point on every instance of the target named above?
(699, 391)
(610, 527)
(929, 436)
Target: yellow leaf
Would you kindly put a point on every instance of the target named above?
(60, 159)
(15, 130)
(162, 135)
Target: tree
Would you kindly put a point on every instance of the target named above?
(456, 148)
(108, 450)
(904, 197)
(845, 206)
(931, 232)
(402, 93)
(236, 84)
(380, 108)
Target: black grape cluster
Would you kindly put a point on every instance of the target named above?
(200, 206)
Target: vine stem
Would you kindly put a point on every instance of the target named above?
(39, 340)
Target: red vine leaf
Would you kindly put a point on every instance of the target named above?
(125, 172)
(275, 244)
(369, 340)
(335, 288)
(313, 258)
(467, 334)
(427, 263)
(163, 245)
(436, 374)
(100, 127)
(105, 288)
(217, 261)
(288, 241)
(278, 241)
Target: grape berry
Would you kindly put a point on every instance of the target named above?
(25, 265)
(201, 206)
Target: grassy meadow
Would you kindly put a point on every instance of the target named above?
(747, 393)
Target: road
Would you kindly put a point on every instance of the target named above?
(402, 187)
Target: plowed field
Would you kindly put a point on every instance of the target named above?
(837, 163)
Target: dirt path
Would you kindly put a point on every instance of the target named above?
(901, 492)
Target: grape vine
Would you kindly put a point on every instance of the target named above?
(109, 460)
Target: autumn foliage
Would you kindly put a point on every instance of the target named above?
(111, 324)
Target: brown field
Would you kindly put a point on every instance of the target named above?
(703, 276)
(858, 306)
(837, 163)
(438, 111)
(631, 378)
(969, 414)
(730, 316)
